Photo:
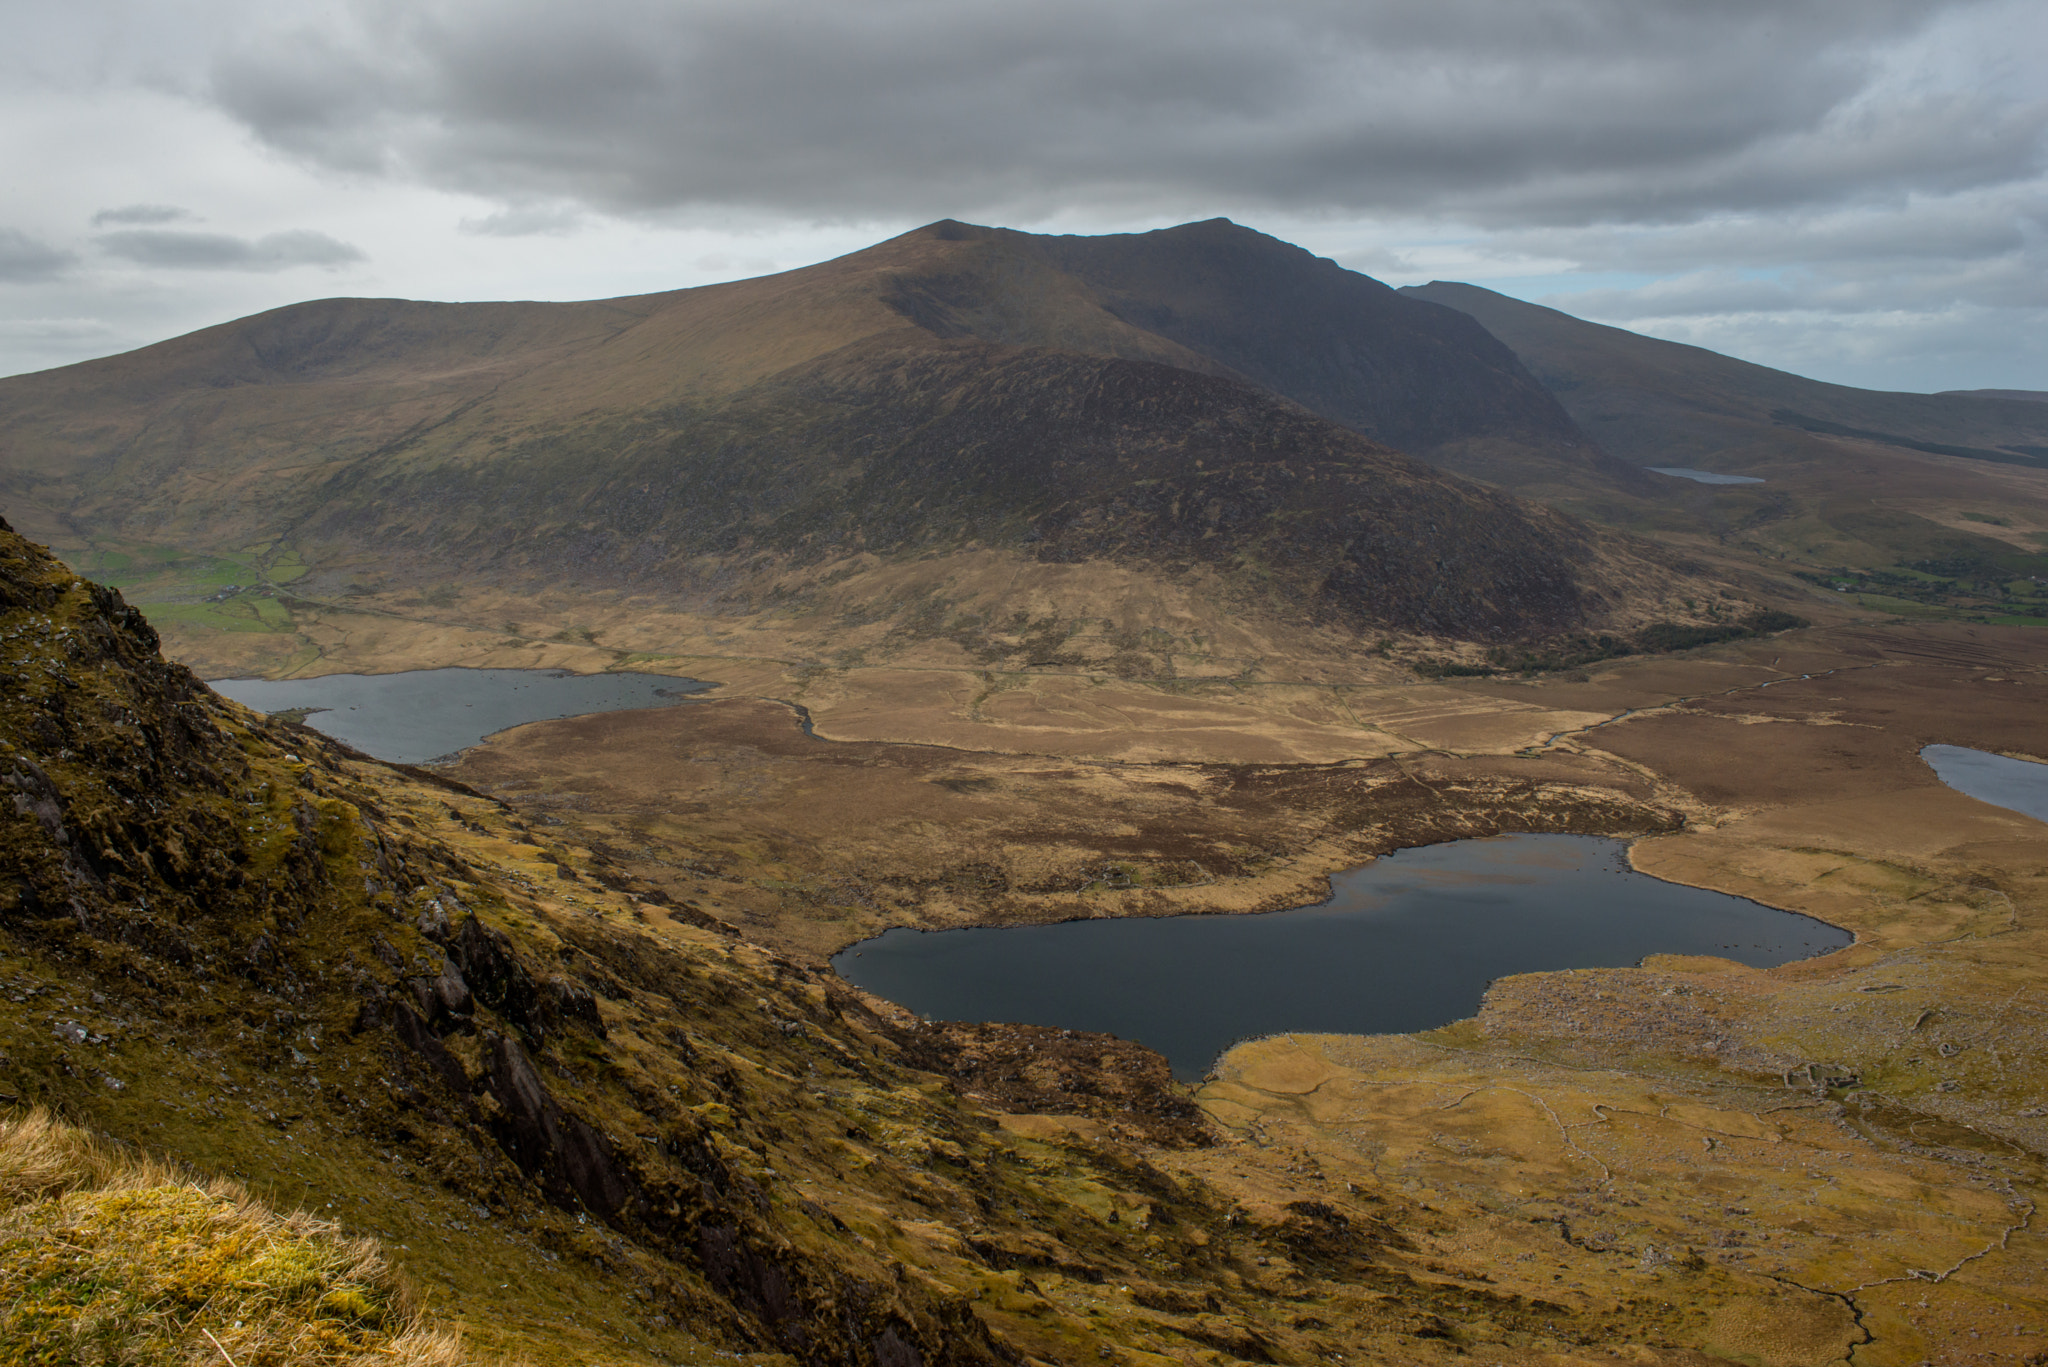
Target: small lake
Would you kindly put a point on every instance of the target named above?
(426, 714)
(1701, 476)
(1406, 943)
(2016, 784)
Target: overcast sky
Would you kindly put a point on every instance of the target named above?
(1853, 189)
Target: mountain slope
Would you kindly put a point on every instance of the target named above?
(1187, 402)
(2024, 395)
(1057, 457)
(1339, 343)
(1923, 503)
(1665, 403)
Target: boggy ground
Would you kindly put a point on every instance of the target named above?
(1859, 1138)
(1833, 1160)
(811, 844)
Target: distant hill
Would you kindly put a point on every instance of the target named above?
(1203, 400)
(2023, 395)
(1924, 503)
(1664, 403)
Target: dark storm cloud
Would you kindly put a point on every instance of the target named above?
(1985, 248)
(1548, 111)
(179, 249)
(131, 214)
(23, 259)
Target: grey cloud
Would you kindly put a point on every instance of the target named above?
(1988, 249)
(24, 259)
(1950, 227)
(1904, 350)
(142, 214)
(525, 221)
(178, 249)
(1565, 111)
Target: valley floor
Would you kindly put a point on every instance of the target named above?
(1852, 1146)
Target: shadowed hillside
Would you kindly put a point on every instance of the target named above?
(1060, 458)
(1339, 343)
(1920, 504)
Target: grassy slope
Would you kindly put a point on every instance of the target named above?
(108, 1256)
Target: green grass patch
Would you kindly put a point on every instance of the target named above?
(147, 573)
(287, 566)
(245, 612)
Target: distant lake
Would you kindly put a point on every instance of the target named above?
(1702, 476)
(1406, 943)
(2016, 784)
(426, 714)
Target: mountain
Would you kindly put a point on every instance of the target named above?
(1339, 343)
(1193, 402)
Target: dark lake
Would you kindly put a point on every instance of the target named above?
(2016, 784)
(425, 714)
(1409, 942)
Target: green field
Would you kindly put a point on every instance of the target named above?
(174, 584)
(244, 612)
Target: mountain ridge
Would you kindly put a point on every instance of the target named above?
(1645, 397)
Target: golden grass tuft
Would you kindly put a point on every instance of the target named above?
(109, 1259)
